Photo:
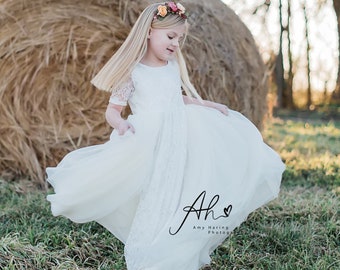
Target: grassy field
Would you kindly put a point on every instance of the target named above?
(299, 230)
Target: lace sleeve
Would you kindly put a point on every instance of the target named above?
(121, 95)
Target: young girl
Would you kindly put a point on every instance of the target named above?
(180, 173)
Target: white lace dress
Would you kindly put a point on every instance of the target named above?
(174, 190)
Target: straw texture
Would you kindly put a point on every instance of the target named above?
(50, 50)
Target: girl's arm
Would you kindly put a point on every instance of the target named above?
(113, 117)
(220, 107)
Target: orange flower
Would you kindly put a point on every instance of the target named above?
(162, 11)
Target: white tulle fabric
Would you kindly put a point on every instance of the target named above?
(143, 186)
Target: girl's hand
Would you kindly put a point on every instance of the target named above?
(217, 106)
(221, 107)
(124, 126)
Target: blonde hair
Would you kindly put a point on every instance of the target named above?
(119, 67)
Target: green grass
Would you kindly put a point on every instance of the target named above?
(310, 149)
(299, 230)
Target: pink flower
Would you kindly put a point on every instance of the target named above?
(173, 6)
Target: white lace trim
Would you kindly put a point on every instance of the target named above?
(121, 95)
(161, 193)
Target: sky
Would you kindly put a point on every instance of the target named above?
(323, 37)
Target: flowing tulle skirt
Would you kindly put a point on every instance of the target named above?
(174, 190)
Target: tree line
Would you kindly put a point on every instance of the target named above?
(282, 63)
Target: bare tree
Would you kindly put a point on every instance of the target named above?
(284, 87)
(336, 93)
(279, 68)
(309, 88)
(288, 94)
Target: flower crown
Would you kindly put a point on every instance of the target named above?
(170, 8)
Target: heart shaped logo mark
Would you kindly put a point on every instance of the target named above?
(227, 210)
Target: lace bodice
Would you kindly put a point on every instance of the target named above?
(151, 89)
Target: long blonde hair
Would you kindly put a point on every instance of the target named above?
(119, 67)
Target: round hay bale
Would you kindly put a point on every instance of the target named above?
(50, 50)
(224, 60)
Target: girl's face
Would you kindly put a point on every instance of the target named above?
(162, 44)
